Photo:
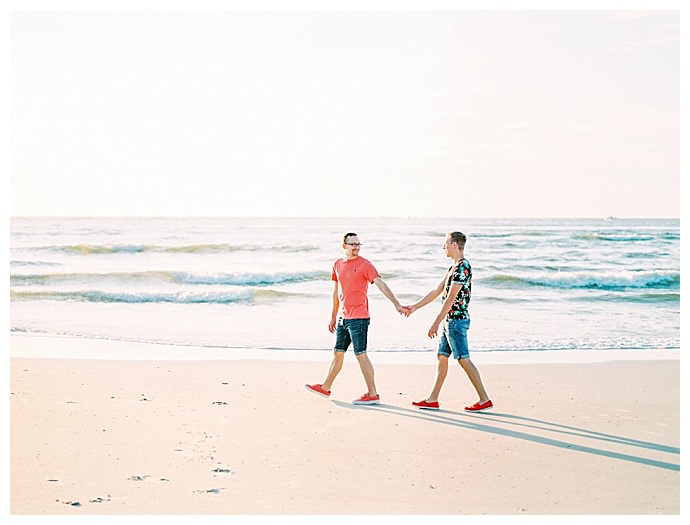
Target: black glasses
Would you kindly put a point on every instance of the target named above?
(355, 244)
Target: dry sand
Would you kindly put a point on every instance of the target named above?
(244, 437)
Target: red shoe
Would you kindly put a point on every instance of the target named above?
(426, 404)
(367, 399)
(478, 407)
(318, 389)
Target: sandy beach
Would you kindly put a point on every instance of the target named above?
(244, 437)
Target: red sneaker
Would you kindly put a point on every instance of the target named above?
(433, 405)
(367, 399)
(318, 389)
(478, 407)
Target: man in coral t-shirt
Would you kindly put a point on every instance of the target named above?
(352, 276)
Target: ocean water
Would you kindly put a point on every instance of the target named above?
(247, 283)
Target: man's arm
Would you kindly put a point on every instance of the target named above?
(336, 306)
(388, 293)
(431, 296)
(445, 308)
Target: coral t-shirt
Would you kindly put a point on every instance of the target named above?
(353, 277)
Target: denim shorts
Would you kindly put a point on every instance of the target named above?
(454, 338)
(351, 331)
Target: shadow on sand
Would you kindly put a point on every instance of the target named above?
(520, 427)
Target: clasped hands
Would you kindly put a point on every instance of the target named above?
(405, 310)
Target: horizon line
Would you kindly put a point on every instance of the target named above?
(358, 217)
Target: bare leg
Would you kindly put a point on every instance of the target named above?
(334, 370)
(368, 372)
(441, 373)
(476, 380)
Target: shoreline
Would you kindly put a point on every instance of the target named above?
(244, 437)
(53, 347)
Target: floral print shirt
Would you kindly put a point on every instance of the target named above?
(460, 274)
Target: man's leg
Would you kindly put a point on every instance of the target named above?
(476, 380)
(368, 372)
(441, 373)
(334, 370)
(359, 334)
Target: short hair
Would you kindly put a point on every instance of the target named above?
(349, 234)
(459, 238)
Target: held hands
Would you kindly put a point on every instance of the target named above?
(403, 310)
(407, 310)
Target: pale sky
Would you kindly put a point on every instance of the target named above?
(463, 113)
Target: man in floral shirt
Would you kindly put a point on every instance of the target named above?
(454, 321)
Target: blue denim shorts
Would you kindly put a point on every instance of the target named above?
(454, 338)
(351, 331)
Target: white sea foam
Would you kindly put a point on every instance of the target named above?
(547, 285)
